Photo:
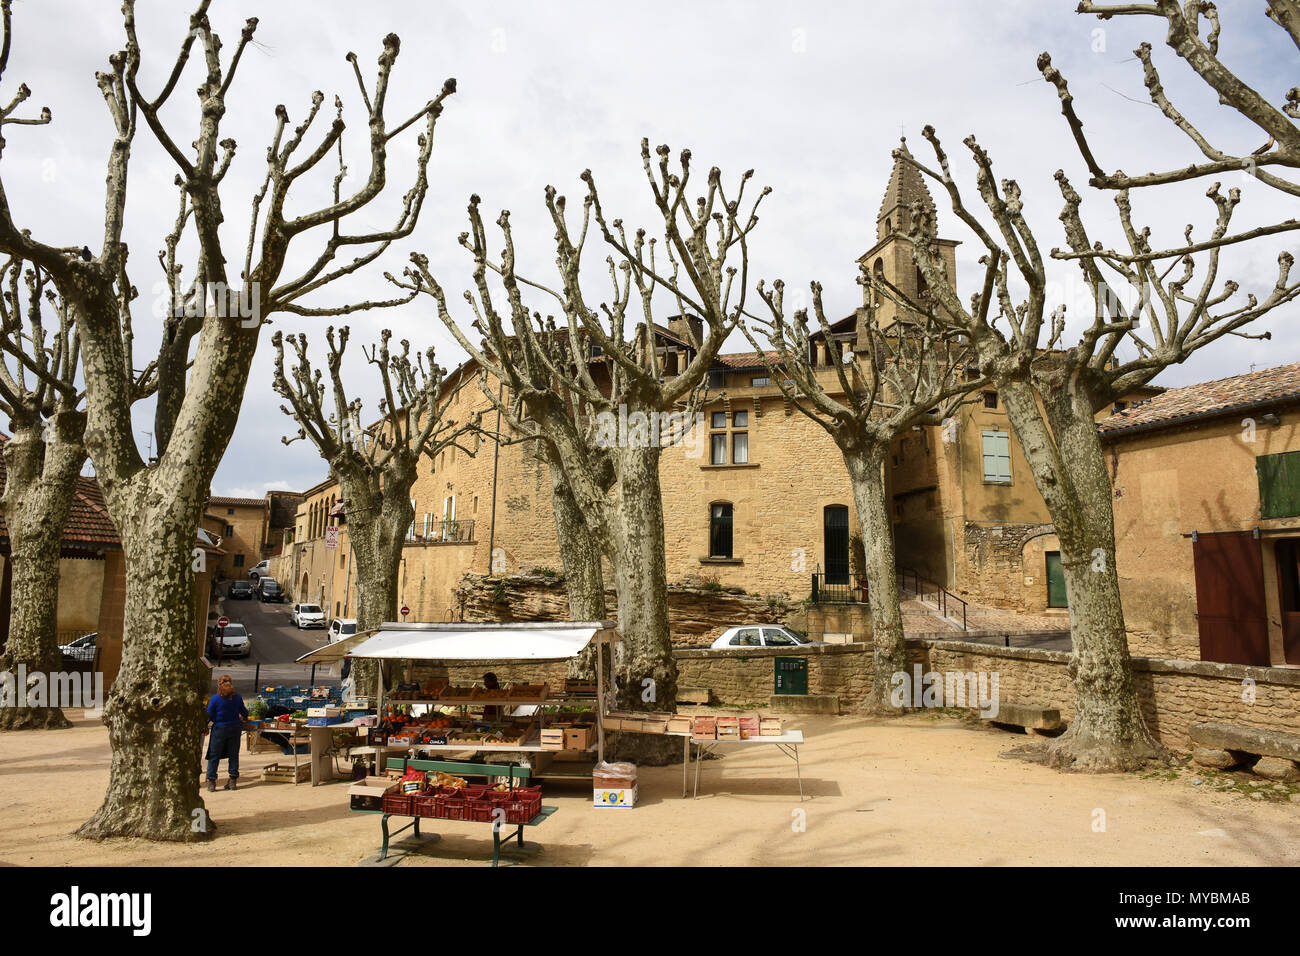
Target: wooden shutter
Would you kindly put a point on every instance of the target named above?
(1230, 613)
(1279, 485)
(997, 456)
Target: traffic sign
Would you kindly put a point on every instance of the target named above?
(405, 610)
(222, 621)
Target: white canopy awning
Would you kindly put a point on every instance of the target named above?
(528, 641)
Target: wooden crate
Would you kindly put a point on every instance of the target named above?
(680, 724)
(552, 738)
(728, 728)
(749, 727)
(771, 726)
(704, 728)
(287, 773)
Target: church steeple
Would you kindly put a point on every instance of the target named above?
(906, 186)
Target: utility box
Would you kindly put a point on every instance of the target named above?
(791, 675)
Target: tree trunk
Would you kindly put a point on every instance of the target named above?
(378, 521)
(155, 713)
(1108, 732)
(40, 484)
(644, 667)
(889, 650)
(584, 578)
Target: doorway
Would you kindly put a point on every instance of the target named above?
(1230, 609)
(1056, 596)
(1287, 552)
(835, 534)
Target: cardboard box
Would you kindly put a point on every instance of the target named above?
(368, 794)
(577, 738)
(614, 799)
(324, 711)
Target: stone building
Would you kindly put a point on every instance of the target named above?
(1207, 519)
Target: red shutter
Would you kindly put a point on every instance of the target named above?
(1230, 608)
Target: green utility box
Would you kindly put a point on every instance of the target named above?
(791, 675)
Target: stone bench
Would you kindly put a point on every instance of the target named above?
(1033, 718)
(1224, 746)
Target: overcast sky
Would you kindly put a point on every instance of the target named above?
(811, 95)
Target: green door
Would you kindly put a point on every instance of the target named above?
(791, 675)
(1055, 581)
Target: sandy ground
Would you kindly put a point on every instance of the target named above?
(920, 790)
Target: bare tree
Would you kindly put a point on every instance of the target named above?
(43, 456)
(1053, 388)
(154, 711)
(894, 377)
(375, 465)
(622, 409)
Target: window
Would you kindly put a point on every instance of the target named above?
(428, 523)
(230, 530)
(239, 560)
(230, 511)
(747, 637)
(719, 419)
(997, 457)
(410, 532)
(990, 399)
(717, 378)
(740, 419)
(720, 531)
(1279, 484)
(718, 455)
(1120, 406)
(758, 381)
(775, 637)
(740, 448)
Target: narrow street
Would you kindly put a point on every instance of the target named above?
(277, 643)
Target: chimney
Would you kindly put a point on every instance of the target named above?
(677, 325)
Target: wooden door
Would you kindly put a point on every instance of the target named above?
(1230, 609)
(1288, 589)
(1055, 581)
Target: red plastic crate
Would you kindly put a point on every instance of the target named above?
(424, 805)
(481, 811)
(399, 803)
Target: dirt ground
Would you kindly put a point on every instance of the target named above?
(920, 790)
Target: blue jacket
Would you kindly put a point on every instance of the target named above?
(227, 710)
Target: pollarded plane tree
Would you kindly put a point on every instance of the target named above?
(376, 465)
(42, 399)
(896, 376)
(1053, 383)
(624, 404)
(154, 711)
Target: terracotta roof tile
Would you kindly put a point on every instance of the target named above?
(238, 502)
(89, 526)
(746, 359)
(1206, 399)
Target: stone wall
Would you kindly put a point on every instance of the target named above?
(995, 561)
(696, 615)
(1174, 694)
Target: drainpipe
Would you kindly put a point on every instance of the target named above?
(496, 455)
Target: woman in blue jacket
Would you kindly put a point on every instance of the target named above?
(227, 712)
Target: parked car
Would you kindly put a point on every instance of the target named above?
(81, 650)
(259, 571)
(342, 627)
(236, 641)
(241, 590)
(762, 635)
(269, 591)
(307, 615)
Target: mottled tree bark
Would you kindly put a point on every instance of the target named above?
(888, 647)
(584, 578)
(39, 488)
(1108, 732)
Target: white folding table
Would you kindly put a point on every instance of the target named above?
(788, 743)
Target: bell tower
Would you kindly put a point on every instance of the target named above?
(891, 257)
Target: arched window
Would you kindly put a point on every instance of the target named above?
(720, 524)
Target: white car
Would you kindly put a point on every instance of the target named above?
(307, 615)
(259, 571)
(342, 627)
(762, 635)
(235, 639)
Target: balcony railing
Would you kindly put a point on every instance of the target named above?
(854, 589)
(444, 532)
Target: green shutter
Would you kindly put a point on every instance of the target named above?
(997, 456)
(1279, 485)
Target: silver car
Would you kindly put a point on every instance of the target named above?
(236, 641)
(762, 635)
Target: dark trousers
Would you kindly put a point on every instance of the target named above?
(223, 743)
